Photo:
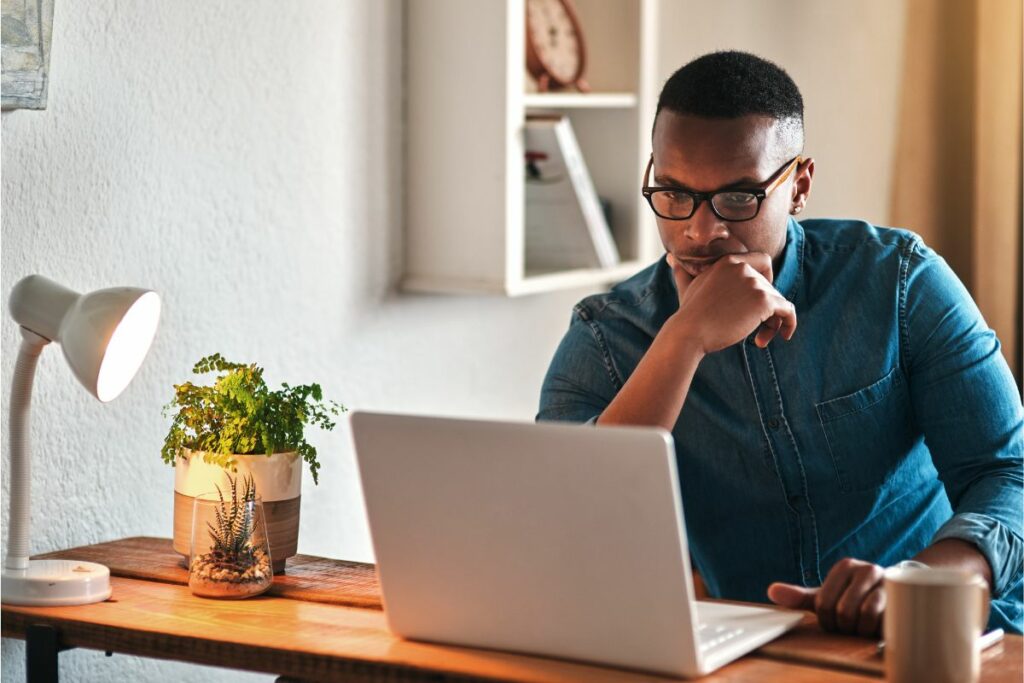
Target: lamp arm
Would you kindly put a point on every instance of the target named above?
(21, 399)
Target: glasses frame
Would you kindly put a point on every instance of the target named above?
(760, 193)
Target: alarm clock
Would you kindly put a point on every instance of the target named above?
(555, 54)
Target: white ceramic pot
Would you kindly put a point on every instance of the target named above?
(278, 480)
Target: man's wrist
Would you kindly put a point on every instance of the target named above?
(954, 553)
(680, 332)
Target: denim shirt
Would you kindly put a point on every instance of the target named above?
(890, 421)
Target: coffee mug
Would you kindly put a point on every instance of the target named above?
(933, 620)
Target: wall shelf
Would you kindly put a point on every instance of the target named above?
(604, 100)
(466, 106)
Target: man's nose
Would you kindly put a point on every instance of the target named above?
(704, 227)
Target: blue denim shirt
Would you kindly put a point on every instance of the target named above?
(889, 421)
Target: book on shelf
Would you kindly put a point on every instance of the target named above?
(566, 226)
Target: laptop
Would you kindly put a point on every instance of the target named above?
(548, 539)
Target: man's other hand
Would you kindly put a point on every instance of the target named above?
(851, 600)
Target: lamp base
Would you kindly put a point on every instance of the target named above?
(56, 582)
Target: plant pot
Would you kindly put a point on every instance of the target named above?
(278, 480)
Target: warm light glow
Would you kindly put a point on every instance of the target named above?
(128, 346)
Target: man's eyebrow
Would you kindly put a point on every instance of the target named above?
(669, 180)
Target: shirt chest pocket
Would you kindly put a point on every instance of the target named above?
(868, 432)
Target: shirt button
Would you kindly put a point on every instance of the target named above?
(808, 576)
(794, 501)
(773, 423)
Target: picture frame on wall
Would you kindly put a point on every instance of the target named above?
(27, 26)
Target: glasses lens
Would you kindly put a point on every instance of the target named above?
(672, 203)
(735, 206)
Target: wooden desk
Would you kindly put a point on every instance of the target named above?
(322, 621)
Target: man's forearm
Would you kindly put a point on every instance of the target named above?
(656, 390)
(654, 394)
(953, 553)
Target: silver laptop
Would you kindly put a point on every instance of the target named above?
(549, 539)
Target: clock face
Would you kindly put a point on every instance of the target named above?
(554, 37)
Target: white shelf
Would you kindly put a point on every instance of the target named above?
(534, 283)
(604, 100)
(466, 106)
(531, 283)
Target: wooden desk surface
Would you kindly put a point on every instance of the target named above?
(296, 632)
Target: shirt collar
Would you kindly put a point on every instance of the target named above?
(787, 280)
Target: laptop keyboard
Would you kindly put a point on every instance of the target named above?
(713, 635)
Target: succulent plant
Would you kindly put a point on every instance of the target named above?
(232, 534)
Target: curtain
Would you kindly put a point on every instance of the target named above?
(957, 178)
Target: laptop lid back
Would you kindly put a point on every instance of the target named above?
(551, 539)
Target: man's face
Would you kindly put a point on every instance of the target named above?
(705, 155)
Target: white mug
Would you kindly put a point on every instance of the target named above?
(933, 620)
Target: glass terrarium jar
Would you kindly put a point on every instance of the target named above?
(230, 553)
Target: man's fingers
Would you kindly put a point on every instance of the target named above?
(833, 588)
(758, 260)
(769, 328)
(792, 596)
(869, 621)
(863, 580)
(782, 322)
(680, 276)
(788, 327)
(851, 599)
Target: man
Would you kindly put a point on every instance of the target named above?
(837, 402)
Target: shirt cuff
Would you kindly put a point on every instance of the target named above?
(1000, 546)
(592, 421)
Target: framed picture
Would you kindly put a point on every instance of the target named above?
(26, 27)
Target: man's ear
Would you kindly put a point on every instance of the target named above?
(802, 184)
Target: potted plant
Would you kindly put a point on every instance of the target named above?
(238, 424)
(230, 557)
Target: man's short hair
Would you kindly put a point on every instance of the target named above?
(731, 84)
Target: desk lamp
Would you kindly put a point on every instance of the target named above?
(105, 336)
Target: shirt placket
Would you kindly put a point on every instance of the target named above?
(789, 467)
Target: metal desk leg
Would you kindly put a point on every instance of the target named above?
(42, 647)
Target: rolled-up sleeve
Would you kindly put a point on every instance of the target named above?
(581, 380)
(967, 405)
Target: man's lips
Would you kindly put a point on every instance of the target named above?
(696, 266)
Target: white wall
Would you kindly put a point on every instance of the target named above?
(230, 155)
(847, 60)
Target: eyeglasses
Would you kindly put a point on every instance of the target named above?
(735, 204)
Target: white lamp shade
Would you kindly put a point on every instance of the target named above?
(105, 334)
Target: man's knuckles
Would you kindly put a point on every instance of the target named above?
(758, 262)
(846, 564)
(874, 603)
(870, 573)
(765, 297)
(849, 565)
(736, 264)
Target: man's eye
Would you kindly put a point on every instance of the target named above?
(735, 199)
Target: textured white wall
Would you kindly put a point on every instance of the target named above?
(230, 155)
(847, 60)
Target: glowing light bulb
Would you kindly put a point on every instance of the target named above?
(128, 346)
